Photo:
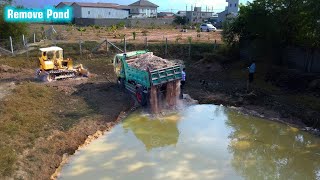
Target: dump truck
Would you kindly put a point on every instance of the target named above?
(52, 66)
(150, 83)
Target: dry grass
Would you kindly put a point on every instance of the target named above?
(71, 34)
(33, 111)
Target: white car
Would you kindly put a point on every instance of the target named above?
(207, 27)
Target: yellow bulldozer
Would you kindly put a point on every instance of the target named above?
(54, 67)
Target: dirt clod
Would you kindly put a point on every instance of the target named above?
(151, 62)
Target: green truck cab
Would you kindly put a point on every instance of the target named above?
(139, 82)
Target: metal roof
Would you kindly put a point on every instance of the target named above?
(143, 3)
(66, 3)
(102, 5)
(52, 48)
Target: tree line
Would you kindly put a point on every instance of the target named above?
(10, 29)
(276, 24)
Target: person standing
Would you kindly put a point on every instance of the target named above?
(183, 82)
(252, 70)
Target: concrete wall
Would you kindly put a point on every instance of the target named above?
(298, 58)
(294, 57)
(99, 13)
(129, 22)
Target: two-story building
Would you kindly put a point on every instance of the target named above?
(230, 11)
(198, 16)
(143, 9)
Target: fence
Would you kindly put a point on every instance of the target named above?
(128, 22)
(166, 49)
(17, 45)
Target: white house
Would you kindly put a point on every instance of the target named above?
(97, 10)
(231, 10)
(143, 9)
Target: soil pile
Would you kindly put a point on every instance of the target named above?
(151, 62)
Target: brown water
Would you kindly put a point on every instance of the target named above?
(201, 142)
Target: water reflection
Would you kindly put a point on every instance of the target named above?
(264, 150)
(202, 142)
(153, 133)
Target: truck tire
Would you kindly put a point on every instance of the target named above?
(141, 97)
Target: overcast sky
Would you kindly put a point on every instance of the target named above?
(165, 5)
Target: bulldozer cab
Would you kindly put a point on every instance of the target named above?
(52, 58)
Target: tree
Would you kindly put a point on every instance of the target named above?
(180, 20)
(9, 28)
(272, 25)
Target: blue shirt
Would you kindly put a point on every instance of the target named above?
(183, 76)
(252, 68)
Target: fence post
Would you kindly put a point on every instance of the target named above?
(215, 44)
(166, 50)
(146, 43)
(34, 37)
(189, 49)
(24, 44)
(80, 48)
(107, 44)
(125, 45)
(27, 49)
(11, 46)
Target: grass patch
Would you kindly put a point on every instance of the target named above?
(20, 61)
(7, 159)
(33, 111)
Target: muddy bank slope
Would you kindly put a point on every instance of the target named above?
(40, 122)
(225, 83)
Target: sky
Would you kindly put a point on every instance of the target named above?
(164, 5)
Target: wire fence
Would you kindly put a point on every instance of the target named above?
(167, 48)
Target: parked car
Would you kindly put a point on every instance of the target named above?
(207, 27)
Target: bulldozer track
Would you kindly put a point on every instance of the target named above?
(61, 71)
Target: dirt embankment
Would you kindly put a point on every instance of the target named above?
(40, 122)
(212, 82)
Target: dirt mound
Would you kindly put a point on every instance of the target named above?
(151, 62)
(9, 69)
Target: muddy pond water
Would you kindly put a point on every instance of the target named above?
(200, 142)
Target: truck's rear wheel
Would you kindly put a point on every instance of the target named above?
(141, 97)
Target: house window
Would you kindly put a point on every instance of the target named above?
(235, 5)
(230, 5)
(88, 12)
(194, 14)
(203, 14)
(109, 13)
